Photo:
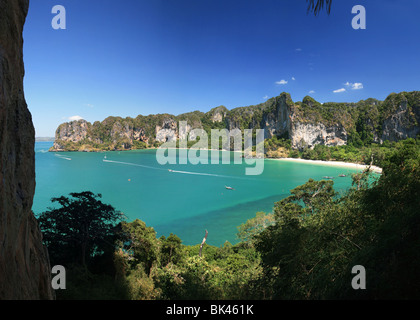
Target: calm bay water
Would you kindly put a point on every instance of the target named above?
(185, 202)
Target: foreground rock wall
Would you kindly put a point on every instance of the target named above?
(24, 266)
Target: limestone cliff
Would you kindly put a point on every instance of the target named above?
(24, 266)
(307, 135)
(401, 116)
(306, 123)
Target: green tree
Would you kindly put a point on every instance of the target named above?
(252, 227)
(81, 228)
(289, 247)
(171, 249)
(141, 243)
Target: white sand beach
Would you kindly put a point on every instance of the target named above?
(333, 163)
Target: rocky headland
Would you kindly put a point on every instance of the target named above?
(306, 124)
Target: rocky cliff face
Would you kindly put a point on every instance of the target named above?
(168, 131)
(74, 131)
(403, 122)
(306, 123)
(24, 266)
(308, 135)
(277, 116)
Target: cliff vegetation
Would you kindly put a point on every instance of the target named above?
(302, 126)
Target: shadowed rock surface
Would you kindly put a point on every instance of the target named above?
(24, 265)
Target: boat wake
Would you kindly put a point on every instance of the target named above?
(174, 171)
(62, 157)
(132, 164)
(201, 174)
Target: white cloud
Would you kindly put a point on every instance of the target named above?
(298, 49)
(357, 86)
(75, 118)
(293, 78)
(265, 98)
(354, 86)
(311, 92)
(282, 82)
(89, 105)
(339, 90)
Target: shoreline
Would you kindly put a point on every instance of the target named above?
(318, 162)
(331, 163)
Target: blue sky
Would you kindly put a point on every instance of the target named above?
(124, 58)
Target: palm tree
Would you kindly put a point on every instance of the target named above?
(316, 6)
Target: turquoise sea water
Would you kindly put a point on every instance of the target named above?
(185, 202)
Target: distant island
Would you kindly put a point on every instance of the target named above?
(291, 129)
(44, 139)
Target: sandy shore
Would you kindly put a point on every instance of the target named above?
(333, 163)
(319, 162)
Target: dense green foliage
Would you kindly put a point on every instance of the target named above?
(304, 249)
(375, 154)
(81, 228)
(318, 238)
(278, 147)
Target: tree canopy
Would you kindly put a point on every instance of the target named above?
(80, 228)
